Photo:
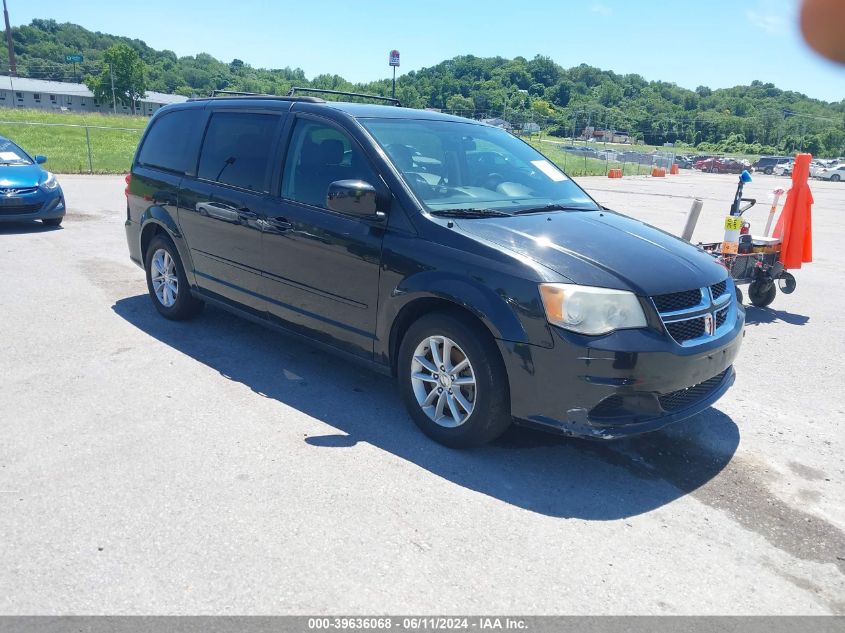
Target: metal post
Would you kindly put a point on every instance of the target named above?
(113, 98)
(777, 193)
(393, 93)
(88, 143)
(13, 65)
(692, 219)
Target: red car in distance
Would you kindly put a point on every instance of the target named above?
(721, 165)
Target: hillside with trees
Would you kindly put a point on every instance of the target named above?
(757, 118)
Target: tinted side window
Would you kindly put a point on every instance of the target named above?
(172, 141)
(237, 149)
(318, 155)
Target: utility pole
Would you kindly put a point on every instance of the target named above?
(13, 65)
(113, 98)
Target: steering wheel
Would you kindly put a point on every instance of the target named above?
(493, 180)
(419, 183)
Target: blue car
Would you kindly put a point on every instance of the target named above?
(27, 190)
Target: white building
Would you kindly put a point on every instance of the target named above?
(18, 92)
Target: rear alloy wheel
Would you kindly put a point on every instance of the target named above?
(453, 381)
(167, 283)
(762, 293)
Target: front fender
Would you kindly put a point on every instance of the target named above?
(517, 318)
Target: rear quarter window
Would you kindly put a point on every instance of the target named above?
(172, 141)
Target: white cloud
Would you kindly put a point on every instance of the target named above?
(601, 9)
(772, 16)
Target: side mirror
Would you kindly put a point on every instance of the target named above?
(353, 197)
(40, 159)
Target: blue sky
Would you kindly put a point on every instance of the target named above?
(718, 44)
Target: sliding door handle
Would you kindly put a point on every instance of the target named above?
(279, 224)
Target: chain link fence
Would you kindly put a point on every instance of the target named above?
(76, 149)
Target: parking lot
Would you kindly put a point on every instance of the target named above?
(217, 467)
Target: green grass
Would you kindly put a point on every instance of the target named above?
(65, 146)
(575, 165)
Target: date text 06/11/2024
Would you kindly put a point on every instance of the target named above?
(427, 623)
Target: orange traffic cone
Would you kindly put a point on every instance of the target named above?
(795, 225)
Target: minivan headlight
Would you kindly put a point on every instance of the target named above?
(51, 184)
(589, 310)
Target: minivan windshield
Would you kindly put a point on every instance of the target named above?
(474, 169)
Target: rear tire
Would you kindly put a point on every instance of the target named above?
(52, 221)
(834, 178)
(167, 282)
(762, 293)
(457, 414)
(768, 171)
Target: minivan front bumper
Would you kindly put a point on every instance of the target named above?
(626, 383)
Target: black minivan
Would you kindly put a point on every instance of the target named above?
(442, 250)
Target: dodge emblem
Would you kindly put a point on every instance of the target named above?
(709, 324)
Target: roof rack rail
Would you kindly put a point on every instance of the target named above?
(236, 94)
(392, 100)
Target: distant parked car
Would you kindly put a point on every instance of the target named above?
(766, 164)
(28, 191)
(784, 169)
(721, 165)
(816, 166)
(683, 162)
(834, 174)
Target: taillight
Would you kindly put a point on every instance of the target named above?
(128, 180)
(746, 227)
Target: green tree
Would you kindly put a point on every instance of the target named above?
(125, 68)
(460, 104)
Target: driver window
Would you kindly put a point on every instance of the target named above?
(318, 155)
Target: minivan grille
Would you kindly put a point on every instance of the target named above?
(686, 330)
(695, 314)
(613, 407)
(677, 300)
(684, 397)
(717, 290)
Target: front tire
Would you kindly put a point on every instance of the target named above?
(167, 283)
(834, 178)
(453, 381)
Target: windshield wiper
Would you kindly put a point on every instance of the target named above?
(470, 213)
(554, 207)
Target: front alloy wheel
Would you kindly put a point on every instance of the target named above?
(443, 381)
(453, 380)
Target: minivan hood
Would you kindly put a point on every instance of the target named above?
(22, 176)
(602, 248)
